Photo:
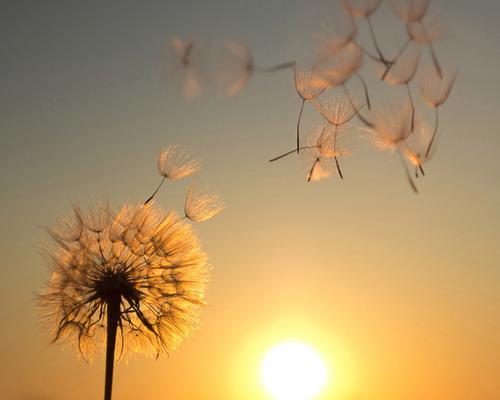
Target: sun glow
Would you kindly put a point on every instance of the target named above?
(293, 371)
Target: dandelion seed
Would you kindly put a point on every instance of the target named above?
(324, 144)
(425, 32)
(435, 90)
(418, 143)
(174, 163)
(404, 68)
(335, 108)
(410, 10)
(391, 126)
(361, 8)
(186, 67)
(135, 281)
(334, 37)
(391, 129)
(202, 205)
(403, 71)
(339, 68)
(235, 67)
(308, 85)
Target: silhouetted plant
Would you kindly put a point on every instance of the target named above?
(131, 278)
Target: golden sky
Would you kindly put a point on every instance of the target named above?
(399, 292)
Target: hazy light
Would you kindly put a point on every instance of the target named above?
(293, 371)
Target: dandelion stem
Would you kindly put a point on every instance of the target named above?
(412, 103)
(433, 134)
(291, 152)
(374, 40)
(365, 88)
(435, 60)
(408, 175)
(113, 317)
(156, 191)
(309, 176)
(433, 52)
(298, 124)
(275, 68)
(356, 109)
(395, 59)
(335, 152)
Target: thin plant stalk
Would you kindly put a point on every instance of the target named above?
(298, 124)
(408, 175)
(365, 88)
(112, 325)
(334, 152)
(156, 191)
(374, 40)
(395, 59)
(309, 176)
(356, 109)
(412, 103)
(275, 68)
(291, 152)
(433, 134)
(433, 53)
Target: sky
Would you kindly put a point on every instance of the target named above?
(399, 292)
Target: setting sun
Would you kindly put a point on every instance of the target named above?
(293, 371)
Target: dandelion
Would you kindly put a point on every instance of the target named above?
(417, 145)
(365, 9)
(435, 90)
(402, 72)
(341, 67)
(425, 32)
(337, 109)
(410, 10)
(202, 205)
(133, 279)
(174, 163)
(323, 147)
(184, 64)
(235, 67)
(334, 37)
(391, 128)
(308, 85)
(361, 8)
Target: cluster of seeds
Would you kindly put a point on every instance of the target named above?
(341, 60)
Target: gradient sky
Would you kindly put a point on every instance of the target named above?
(400, 293)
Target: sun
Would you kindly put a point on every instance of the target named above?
(293, 371)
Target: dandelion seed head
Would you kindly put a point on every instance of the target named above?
(334, 36)
(185, 66)
(339, 68)
(338, 109)
(175, 163)
(405, 67)
(201, 204)
(391, 126)
(308, 83)
(435, 89)
(410, 10)
(360, 8)
(418, 143)
(148, 261)
(322, 144)
(427, 30)
(235, 67)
